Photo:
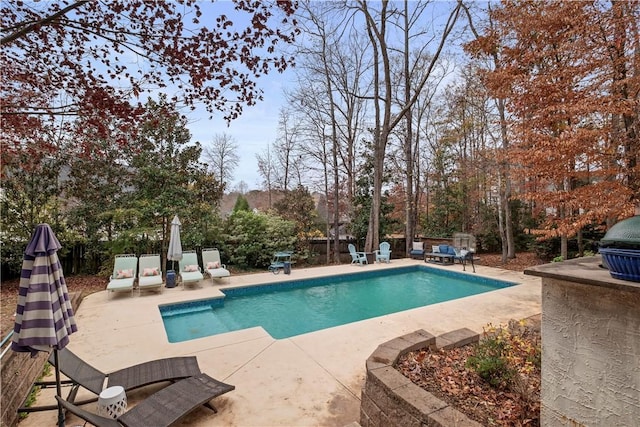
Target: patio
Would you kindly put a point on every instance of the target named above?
(313, 379)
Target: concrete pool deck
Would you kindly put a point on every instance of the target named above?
(314, 379)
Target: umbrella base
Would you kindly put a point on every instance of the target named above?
(171, 279)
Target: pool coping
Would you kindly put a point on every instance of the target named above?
(307, 380)
(218, 301)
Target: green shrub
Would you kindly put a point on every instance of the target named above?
(506, 356)
(250, 239)
(490, 361)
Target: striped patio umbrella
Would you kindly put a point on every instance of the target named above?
(44, 316)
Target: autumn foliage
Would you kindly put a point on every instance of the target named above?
(96, 60)
(569, 74)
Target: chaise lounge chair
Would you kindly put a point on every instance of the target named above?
(384, 253)
(164, 408)
(212, 264)
(125, 268)
(150, 273)
(81, 374)
(189, 268)
(357, 257)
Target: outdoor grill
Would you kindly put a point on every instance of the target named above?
(620, 249)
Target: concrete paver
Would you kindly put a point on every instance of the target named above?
(312, 379)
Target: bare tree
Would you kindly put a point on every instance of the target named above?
(268, 170)
(329, 102)
(405, 148)
(242, 187)
(222, 156)
(413, 59)
(286, 149)
(385, 119)
(316, 141)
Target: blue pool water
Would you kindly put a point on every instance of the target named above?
(292, 308)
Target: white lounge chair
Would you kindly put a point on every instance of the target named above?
(150, 273)
(189, 268)
(212, 264)
(125, 268)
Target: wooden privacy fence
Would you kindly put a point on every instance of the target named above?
(76, 261)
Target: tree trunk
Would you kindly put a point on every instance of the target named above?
(336, 203)
(580, 244)
(508, 245)
(564, 247)
(409, 218)
(373, 233)
(501, 210)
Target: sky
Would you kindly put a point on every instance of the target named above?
(256, 128)
(253, 131)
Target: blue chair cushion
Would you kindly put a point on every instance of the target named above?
(446, 249)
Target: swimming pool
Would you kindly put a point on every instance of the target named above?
(295, 307)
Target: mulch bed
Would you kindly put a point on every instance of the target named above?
(444, 374)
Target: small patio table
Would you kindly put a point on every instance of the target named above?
(112, 402)
(279, 261)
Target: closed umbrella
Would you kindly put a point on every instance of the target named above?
(44, 316)
(174, 253)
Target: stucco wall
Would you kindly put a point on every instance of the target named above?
(590, 355)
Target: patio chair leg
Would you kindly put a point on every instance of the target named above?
(210, 406)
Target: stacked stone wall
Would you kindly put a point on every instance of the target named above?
(390, 399)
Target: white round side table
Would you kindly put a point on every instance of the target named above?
(112, 402)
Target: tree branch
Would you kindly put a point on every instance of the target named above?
(41, 22)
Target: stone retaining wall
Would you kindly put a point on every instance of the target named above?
(390, 399)
(19, 371)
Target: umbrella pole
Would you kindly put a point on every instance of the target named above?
(58, 389)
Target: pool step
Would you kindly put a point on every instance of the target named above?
(187, 310)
